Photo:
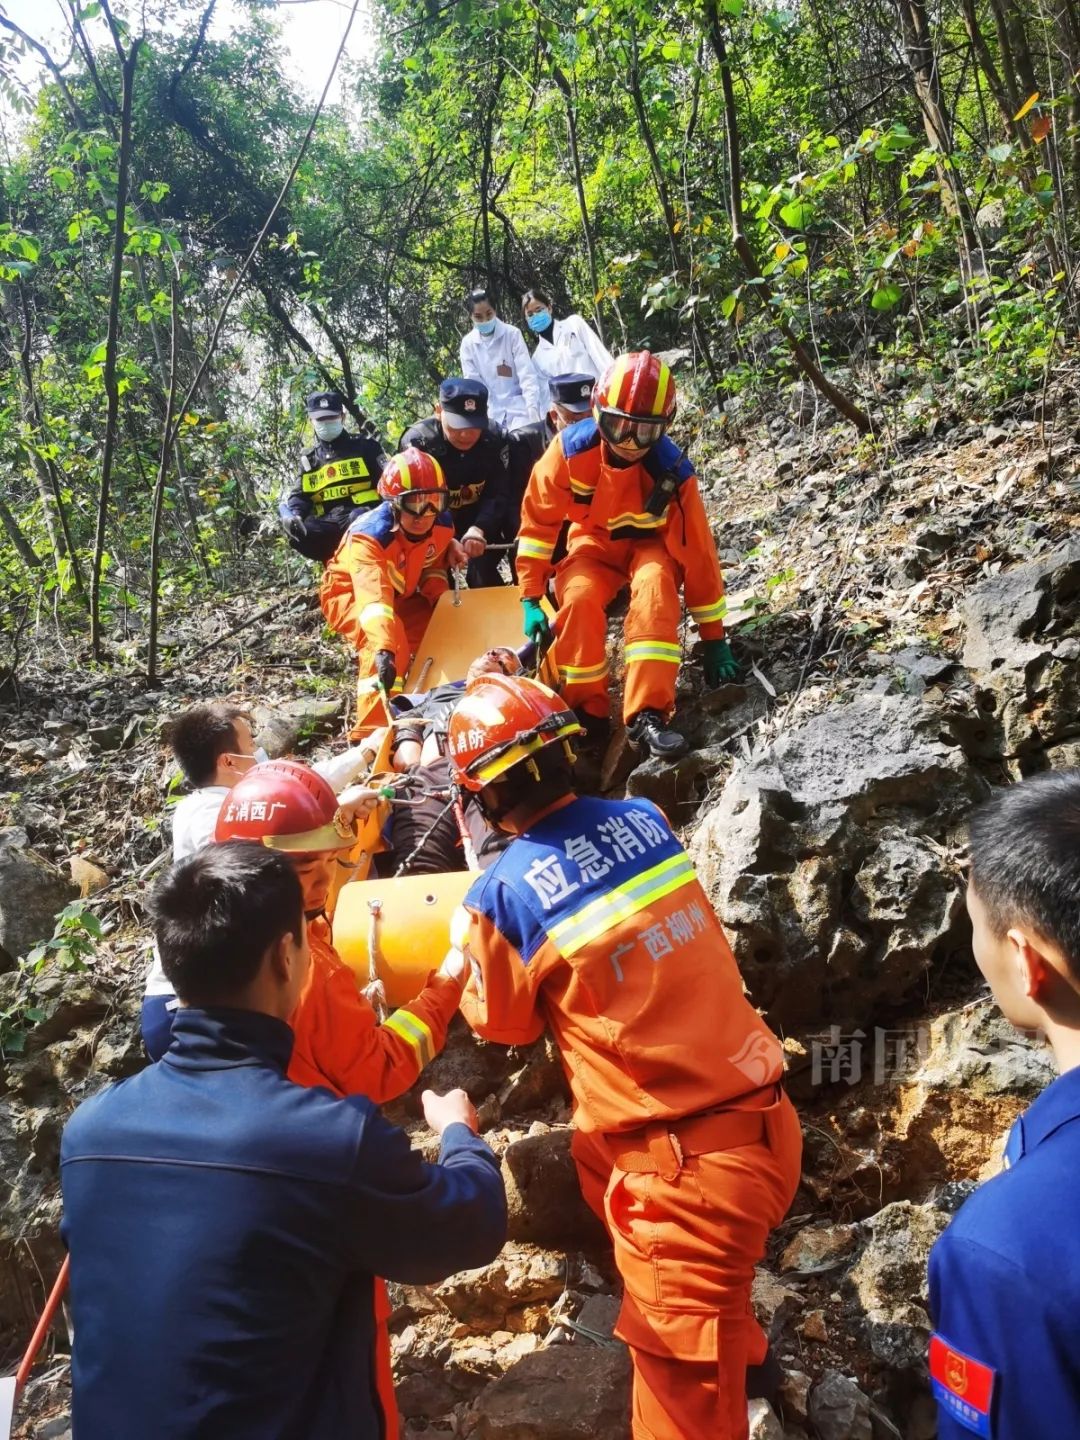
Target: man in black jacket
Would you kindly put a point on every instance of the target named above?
(227, 1227)
(338, 476)
(475, 456)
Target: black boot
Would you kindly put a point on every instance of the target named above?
(648, 731)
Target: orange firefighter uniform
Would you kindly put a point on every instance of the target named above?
(380, 587)
(593, 922)
(615, 540)
(340, 1045)
(339, 1041)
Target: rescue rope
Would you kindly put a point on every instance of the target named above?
(426, 836)
(463, 830)
(374, 992)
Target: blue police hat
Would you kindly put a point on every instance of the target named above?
(572, 392)
(463, 403)
(325, 404)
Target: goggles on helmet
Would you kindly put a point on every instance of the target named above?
(618, 428)
(422, 502)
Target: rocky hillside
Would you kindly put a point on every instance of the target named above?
(910, 621)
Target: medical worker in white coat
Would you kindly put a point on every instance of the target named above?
(495, 353)
(563, 347)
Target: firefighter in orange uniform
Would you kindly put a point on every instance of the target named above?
(391, 567)
(339, 1041)
(636, 519)
(592, 921)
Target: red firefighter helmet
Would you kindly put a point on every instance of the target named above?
(284, 806)
(502, 720)
(634, 401)
(412, 473)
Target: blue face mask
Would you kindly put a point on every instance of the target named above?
(539, 322)
(328, 429)
(486, 327)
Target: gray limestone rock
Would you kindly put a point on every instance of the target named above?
(824, 859)
(32, 893)
(889, 1280)
(567, 1392)
(1022, 645)
(839, 1410)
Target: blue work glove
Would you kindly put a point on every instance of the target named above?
(719, 663)
(536, 624)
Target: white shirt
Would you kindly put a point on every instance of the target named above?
(574, 349)
(194, 819)
(516, 393)
(196, 815)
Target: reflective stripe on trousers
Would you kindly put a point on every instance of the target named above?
(586, 582)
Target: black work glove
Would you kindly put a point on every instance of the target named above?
(385, 669)
(295, 527)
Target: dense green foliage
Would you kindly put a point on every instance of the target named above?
(905, 211)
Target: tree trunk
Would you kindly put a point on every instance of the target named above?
(926, 78)
(566, 90)
(46, 476)
(26, 551)
(664, 195)
(807, 364)
(178, 453)
(127, 71)
(1006, 102)
(159, 490)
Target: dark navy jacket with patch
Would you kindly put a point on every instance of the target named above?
(225, 1227)
(1005, 1283)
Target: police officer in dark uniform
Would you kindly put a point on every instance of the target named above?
(475, 457)
(1004, 1358)
(338, 477)
(571, 401)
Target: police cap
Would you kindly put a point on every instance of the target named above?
(572, 392)
(463, 403)
(325, 404)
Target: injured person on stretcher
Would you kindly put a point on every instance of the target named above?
(424, 834)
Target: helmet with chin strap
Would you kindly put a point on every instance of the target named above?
(502, 721)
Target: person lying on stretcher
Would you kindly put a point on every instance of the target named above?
(423, 834)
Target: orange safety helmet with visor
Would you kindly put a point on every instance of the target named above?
(414, 481)
(634, 401)
(501, 721)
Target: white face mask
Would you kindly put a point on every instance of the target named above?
(261, 756)
(328, 429)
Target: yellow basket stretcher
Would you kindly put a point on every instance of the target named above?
(397, 930)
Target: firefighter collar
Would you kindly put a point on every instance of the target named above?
(1058, 1105)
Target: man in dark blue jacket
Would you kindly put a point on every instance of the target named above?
(1005, 1276)
(225, 1226)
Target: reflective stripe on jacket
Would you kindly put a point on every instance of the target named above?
(571, 481)
(337, 472)
(339, 1041)
(375, 564)
(594, 921)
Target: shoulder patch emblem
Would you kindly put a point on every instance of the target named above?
(962, 1386)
